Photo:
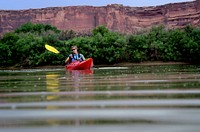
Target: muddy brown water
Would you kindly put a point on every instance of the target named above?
(157, 98)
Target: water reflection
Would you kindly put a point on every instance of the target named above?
(52, 84)
(80, 72)
(131, 98)
(80, 79)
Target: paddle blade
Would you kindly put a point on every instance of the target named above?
(52, 49)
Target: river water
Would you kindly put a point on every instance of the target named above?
(157, 98)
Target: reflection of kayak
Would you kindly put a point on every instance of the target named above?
(77, 65)
(80, 72)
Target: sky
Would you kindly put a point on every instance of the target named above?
(35, 4)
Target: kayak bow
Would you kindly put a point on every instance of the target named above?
(77, 65)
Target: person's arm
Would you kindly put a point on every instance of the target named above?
(82, 57)
(67, 60)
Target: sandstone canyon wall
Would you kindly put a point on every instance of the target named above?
(116, 17)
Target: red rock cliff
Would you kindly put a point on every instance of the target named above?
(116, 17)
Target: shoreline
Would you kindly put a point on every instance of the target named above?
(123, 64)
(149, 63)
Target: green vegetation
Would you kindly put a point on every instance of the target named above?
(25, 46)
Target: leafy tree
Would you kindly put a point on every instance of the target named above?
(109, 46)
(67, 34)
(25, 46)
(100, 30)
(191, 47)
(7, 48)
(137, 48)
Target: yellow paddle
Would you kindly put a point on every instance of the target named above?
(51, 48)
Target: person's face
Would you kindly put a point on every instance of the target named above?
(74, 50)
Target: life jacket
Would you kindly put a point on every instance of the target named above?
(75, 57)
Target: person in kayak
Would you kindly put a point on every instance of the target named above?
(75, 56)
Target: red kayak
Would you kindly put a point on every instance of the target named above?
(77, 65)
